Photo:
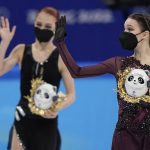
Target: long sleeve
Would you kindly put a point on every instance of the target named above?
(107, 66)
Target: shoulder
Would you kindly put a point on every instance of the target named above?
(19, 48)
(18, 51)
(56, 51)
(55, 54)
(114, 60)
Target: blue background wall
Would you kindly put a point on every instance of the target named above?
(93, 28)
(93, 31)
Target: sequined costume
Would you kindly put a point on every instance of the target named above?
(35, 132)
(133, 127)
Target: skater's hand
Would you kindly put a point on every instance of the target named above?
(60, 31)
(5, 33)
(50, 114)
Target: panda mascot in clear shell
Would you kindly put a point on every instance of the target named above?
(136, 83)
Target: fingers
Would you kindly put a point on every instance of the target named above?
(3, 25)
(64, 21)
(7, 23)
(4, 22)
(60, 32)
(61, 22)
(50, 114)
(13, 30)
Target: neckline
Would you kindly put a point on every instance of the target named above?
(46, 60)
(139, 62)
(133, 62)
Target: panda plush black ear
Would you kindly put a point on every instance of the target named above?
(55, 98)
(148, 84)
(55, 88)
(147, 72)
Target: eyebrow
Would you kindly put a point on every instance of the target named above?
(48, 24)
(128, 25)
(45, 23)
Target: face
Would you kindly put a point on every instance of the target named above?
(132, 26)
(45, 21)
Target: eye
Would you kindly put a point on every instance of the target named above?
(48, 27)
(130, 78)
(141, 80)
(38, 25)
(128, 29)
(38, 91)
(46, 95)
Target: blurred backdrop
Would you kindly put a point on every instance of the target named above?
(93, 27)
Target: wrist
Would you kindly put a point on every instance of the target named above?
(5, 42)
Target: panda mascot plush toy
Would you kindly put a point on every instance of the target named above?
(45, 96)
(136, 83)
(42, 98)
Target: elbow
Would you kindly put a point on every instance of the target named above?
(71, 98)
(74, 75)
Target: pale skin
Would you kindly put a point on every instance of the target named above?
(40, 52)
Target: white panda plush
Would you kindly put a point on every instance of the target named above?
(136, 83)
(44, 95)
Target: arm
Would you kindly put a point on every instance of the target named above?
(6, 37)
(70, 90)
(15, 57)
(68, 83)
(108, 66)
